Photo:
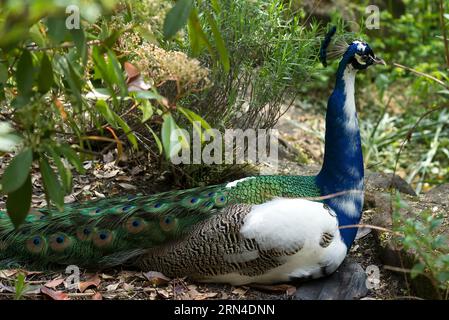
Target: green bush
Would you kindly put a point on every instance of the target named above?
(422, 235)
(127, 77)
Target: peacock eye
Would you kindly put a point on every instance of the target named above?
(194, 200)
(167, 223)
(60, 242)
(84, 233)
(135, 225)
(36, 244)
(102, 238)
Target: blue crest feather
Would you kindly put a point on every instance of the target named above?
(325, 45)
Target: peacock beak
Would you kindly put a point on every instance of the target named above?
(378, 60)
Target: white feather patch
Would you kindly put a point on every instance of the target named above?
(349, 107)
(234, 183)
(285, 224)
(360, 45)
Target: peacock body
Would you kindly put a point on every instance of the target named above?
(261, 229)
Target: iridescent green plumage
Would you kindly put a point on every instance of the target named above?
(114, 231)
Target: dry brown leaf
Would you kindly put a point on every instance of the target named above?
(127, 186)
(113, 287)
(156, 278)
(91, 282)
(6, 288)
(54, 283)
(207, 295)
(124, 178)
(55, 295)
(136, 170)
(163, 293)
(123, 275)
(97, 296)
(106, 276)
(128, 287)
(239, 291)
(6, 274)
(106, 175)
(131, 71)
(99, 194)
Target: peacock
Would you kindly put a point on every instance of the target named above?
(261, 229)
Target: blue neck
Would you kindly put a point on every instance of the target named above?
(343, 160)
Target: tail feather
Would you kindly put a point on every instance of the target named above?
(105, 232)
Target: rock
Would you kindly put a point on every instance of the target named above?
(377, 180)
(347, 283)
(379, 205)
(438, 195)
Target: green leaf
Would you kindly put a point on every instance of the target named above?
(417, 270)
(24, 73)
(106, 112)
(192, 116)
(194, 28)
(20, 286)
(112, 38)
(148, 95)
(443, 276)
(156, 138)
(17, 172)
(147, 110)
(19, 202)
(64, 173)
(71, 156)
(57, 29)
(177, 17)
(73, 79)
(216, 5)
(219, 42)
(197, 121)
(101, 68)
(117, 70)
(45, 78)
(131, 137)
(436, 223)
(79, 38)
(173, 143)
(439, 242)
(3, 73)
(197, 36)
(52, 186)
(116, 121)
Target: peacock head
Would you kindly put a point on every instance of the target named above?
(362, 55)
(358, 54)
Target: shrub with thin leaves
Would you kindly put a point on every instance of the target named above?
(423, 235)
(129, 75)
